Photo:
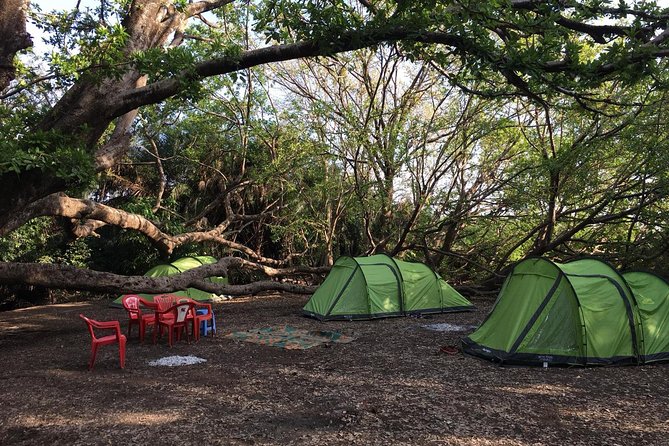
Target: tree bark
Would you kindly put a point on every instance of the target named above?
(13, 37)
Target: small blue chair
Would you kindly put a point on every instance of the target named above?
(207, 325)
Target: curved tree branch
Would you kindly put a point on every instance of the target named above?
(60, 205)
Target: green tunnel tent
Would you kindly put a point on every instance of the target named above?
(176, 267)
(577, 313)
(379, 286)
(652, 296)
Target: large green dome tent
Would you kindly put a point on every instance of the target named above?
(380, 286)
(176, 267)
(652, 296)
(578, 313)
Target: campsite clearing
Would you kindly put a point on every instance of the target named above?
(391, 385)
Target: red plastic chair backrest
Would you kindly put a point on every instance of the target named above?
(131, 304)
(164, 301)
(89, 324)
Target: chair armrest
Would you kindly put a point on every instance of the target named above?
(147, 304)
(159, 312)
(108, 325)
(171, 309)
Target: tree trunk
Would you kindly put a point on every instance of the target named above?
(13, 37)
(87, 109)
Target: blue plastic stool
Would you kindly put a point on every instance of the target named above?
(207, 327)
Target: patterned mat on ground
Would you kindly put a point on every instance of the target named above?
(290, 338)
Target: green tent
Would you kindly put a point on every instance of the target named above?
(578, 313)
(652, 297)
(380, 286)
(176, 267)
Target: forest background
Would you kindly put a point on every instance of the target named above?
(278, 135)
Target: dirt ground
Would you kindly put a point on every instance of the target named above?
(391, 386)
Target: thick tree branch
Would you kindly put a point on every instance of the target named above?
(63, 206)
(350, 41)
(200, 7)
(96, 213)
(166, 88)
(115, 149)
(72, 278)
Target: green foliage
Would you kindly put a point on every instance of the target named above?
(371, 150)
(102, 49)
(49, 152)
(77, 253)
(319, 20)
(27, 242)
(82, 43)
(179, 62)
(42, 241)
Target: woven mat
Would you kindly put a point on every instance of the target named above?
(290, 338)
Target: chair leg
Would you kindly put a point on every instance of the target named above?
(209, 326)
(121, 352)
(142, 332)
(94, 352)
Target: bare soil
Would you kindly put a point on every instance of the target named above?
(392, 386)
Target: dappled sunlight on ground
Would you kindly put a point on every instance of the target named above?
(621, 418)
(111, 418)
(144, 418)
(539, 389)
(52, 308)
(476, 441)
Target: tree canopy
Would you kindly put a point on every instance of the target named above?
(278, 134)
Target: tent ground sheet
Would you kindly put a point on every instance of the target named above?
(290, 338)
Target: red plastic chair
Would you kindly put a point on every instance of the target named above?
(96, 342)
(133, 305)
(180, 315)
(161, 303)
